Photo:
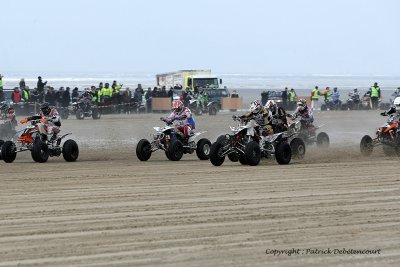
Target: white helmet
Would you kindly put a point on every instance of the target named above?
(396, 103)
(271, 104)
(255, 106)
(302, 104)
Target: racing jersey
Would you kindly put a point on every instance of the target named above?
(182, 118)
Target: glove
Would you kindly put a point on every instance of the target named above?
(383, 113)
(43, 120)
(23, 121)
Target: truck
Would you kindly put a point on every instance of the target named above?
(192, 80)
(189, 79)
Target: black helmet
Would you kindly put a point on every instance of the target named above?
(45, 108)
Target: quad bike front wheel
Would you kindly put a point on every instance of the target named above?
(252, 153)
(143, 150)
(283, 153)
(298, 148)
(366, 146)
(40, 152)
(8, 151)
(96, 114)
(322, 140)
(203, 149)
(70, 150)
(215, 157)
(175, 150)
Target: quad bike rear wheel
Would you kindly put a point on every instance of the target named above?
(8, 152)
(215, 157)
(203, 149)
(70, 150)
(80, 115)
(143, 150)
(175, 150)
(40, 151)
(322, 140)
(252, 153)
(366, 146)
(283, 153)
(1, 144)
(298, 148)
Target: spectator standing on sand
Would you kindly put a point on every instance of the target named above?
(16, 96)
(264, 97)
(40, 89)
(50, 96)
(170, 93)
(314, 98)
(375, 92)
(285, 98)
(26, 94)
(22, 84)
(66, 98)
(163, 92)
(292, 99)
(126, 99)
(148, 97)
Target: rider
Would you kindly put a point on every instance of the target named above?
(304, 112)
(261, 115)
(335, 96)
(49, 118)
(279, 121)
(394, 109)
(8, 113)
(86, 98)
(183, 116)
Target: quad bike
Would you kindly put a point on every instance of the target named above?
(248, 147)
(331, 105)
(41, 145)
(307, 132)
(387, 136)
(85, 108)
(199, 109)
(173, 143)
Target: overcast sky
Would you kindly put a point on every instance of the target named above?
(231, 36)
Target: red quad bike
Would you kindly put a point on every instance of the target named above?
(41, 145)
(387, 136)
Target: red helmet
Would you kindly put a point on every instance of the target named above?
(177, 106)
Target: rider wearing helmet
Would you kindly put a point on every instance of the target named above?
(304, 112)
(395, 109)
(261, 116)
(183, 116)
(8, 114)
(279, 121)
(3, 110)
(51, 121)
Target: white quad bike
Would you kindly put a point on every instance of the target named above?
(173, 143)
(247, 146)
